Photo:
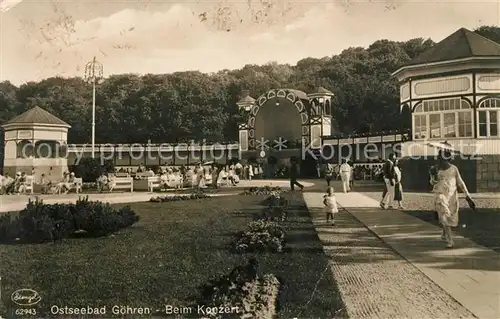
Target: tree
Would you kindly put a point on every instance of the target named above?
(490, 32)
(183, 106)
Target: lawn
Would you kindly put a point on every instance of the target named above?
(174, 248)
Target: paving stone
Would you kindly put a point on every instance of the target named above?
(465, 273)
(374, 280)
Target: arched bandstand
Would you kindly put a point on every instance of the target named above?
(281, 122)
(35, 142)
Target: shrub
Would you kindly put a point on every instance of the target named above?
(274, 214)
(175, 198)
(89, 169)
(276, 209)
(40, 222)
(261, 236)
(254, 295)
(276, 200)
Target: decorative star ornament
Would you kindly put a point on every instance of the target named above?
(280, 143)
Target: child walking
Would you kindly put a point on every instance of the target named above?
(330, 205)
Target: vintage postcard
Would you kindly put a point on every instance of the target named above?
(249, 159)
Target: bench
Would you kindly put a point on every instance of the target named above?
(122, 183)
(144, 175)
(154, 182)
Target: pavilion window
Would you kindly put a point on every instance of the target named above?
(464, 124)
(450, 122)
(443, 118)
(493, 123)
(420, 124)
(489, 118)
(435, 125)
(328, 108)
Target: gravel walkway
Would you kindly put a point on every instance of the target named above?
(415, 201)
(376, 282)
(481, 226)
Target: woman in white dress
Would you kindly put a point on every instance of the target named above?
(250, 171)
(447, 181)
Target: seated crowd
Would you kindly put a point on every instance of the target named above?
(196, 176)
(21, 183)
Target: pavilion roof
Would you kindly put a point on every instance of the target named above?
(461, 44)
(247, 99)
(37, 115)
(323, 90)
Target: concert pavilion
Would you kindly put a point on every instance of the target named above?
(451, 92)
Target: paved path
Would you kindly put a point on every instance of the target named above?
(376, 282)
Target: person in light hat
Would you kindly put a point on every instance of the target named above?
(8, 184)
(17, 182)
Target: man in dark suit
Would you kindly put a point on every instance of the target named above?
(389, 180)
(294, 173)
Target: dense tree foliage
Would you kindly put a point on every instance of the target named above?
(193, 105)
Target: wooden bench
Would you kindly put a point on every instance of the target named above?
(144, 175)
(154, 182)
(122, 183)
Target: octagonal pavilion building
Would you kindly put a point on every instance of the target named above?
(35, 142)
(451, 93)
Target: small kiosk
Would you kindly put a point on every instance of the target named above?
(35, 142)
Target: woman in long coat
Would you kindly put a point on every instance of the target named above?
(398, 187)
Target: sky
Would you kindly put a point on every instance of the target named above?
(43, 38)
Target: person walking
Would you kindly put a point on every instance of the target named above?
(398, 186)
(294, 173)
(389, 180)
(215, 175)
(329, 171)
(200, 176)
(446, 181)
(330, 207)
(250, 171)
(345, 176)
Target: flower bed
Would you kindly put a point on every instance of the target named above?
(242, 293)
(276, 200)
(261, 236)
(175, 198)
(266, 190)
(276, 209)
(40, 222)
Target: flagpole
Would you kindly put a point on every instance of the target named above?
(93, 73)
